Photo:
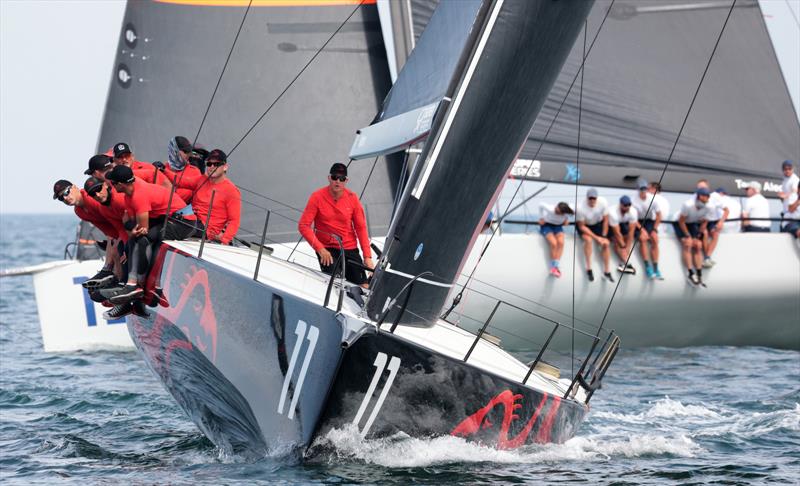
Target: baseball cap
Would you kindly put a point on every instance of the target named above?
(92, 184)
(217, 154)
(786, 163)
(60, 186)
(98, 162)
(702, 191)
(721, 190)
(338, 169)
(184, 145)
(755, 185)
(120, 174)
(121, 148)
(592, 192)
(642, 184)
(625, 201)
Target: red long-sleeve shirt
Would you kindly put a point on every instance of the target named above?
(90, 211)
(226, 211)
(343, 217)
(153, 200)
(183, 181)
(114, 212)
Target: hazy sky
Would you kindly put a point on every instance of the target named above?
(56, 60)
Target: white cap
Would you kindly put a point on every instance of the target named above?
(754, 185)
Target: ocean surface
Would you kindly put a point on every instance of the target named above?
(708, 415)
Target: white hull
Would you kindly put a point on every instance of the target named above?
(70, 321)
(752, 298)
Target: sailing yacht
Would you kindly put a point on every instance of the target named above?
(266, 355)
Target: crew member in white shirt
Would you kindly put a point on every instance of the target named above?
(623, 220)
(645, 205)
(791, 213)
(690, 227)
(592, 223)
(662, 211)
(734, 211)
(756, 207)
(552, 219)
(716, 216)
(790, 180)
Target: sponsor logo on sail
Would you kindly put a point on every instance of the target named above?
(525, 168)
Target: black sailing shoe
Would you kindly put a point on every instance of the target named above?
(103, 279)
(120, 295)
(590, 275)
(139, 309)
(118, 311)
(607, 276)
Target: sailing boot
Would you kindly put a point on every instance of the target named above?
(103, 278)
(118, 311)
(121, 295)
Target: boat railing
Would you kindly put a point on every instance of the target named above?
(591, 369)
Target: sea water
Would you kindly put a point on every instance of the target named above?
(709, 415)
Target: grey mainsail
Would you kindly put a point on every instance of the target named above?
(496, 95)
(170, 57)
(639, 80)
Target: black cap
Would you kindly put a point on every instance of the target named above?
(121, 174)
(60, 186)
(93, 184)
(338, 169)
(217, 154)
(121, 148)
(183, 143)
(98, 162)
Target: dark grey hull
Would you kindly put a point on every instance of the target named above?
(264, 373)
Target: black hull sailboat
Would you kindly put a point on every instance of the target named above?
(266, 356)
(263, 371)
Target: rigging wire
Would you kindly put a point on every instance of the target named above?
(791, 10)
(247, 133)
(578, 171)
(661, 177)
(224, 67)
(458, 297)
(672, 151)
(374, 162)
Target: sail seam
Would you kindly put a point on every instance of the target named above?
(409, 276)
(459, 96)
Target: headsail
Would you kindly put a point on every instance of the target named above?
(640, 76)
(496, 96)
(170, 57)
(409, 108)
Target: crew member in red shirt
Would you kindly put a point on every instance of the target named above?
(147, 205)
(336, 210)
(88, 210)
(179, 170)
(227, 208)
(144, 171)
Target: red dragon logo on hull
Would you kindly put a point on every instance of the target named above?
(187, 309)
(511, 403)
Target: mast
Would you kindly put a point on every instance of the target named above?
(512, 57)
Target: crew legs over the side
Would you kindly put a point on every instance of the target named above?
(136, 205)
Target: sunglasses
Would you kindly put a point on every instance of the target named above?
(339, 178)
(64, 193)
(592, 198)
(215, 164)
